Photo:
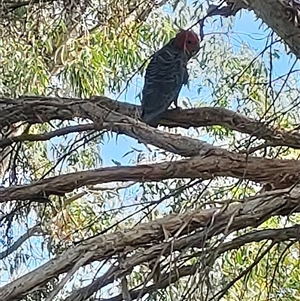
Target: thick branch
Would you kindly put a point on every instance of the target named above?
(210, 116)
(37, 110)
(43, 109)
(250, 212)
(188, 270)
(280, 173)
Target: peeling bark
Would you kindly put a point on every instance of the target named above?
(280, 173)
(208, 161)
(113, 115)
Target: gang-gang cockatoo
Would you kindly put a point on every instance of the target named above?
(166, 74)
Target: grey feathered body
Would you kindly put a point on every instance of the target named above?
(165, 76)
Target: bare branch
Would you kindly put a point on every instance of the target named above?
(29, 233)
(47, 109)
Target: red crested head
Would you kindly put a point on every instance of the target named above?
(188, 41)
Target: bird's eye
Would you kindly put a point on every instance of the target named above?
(189, 42)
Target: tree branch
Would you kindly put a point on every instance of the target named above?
(279, 235)
(43, 110)
(29, 233)
(109, 114)
(46, 136)
(279, 173)
(249, 212)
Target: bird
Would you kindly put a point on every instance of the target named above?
(166, 74)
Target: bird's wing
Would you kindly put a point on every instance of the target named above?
(163, 81)
(185, 76)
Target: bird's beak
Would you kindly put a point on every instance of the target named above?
(195, 51)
